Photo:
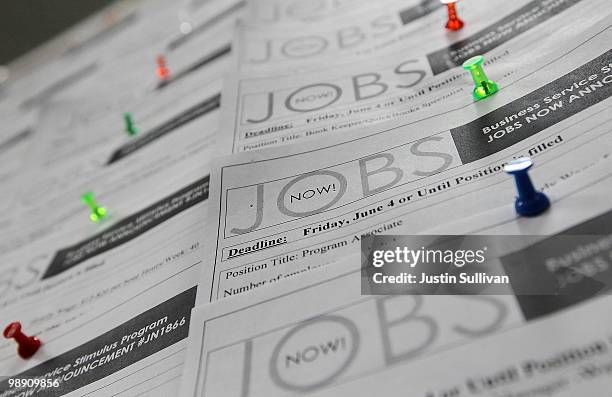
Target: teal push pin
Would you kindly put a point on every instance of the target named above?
(484, 87)
(129, 124)
(97, 212)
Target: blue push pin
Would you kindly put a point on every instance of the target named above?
(529, 201)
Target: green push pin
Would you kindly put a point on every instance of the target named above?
(97, 212)
(484, 87)
(129, 124)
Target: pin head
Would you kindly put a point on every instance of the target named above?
(520, 164)
(473, 62)
(12, 329)
(26, 345)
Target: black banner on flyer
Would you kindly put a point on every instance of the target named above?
(579, 266)
(558, 100)
(529, 16)
(185, 117)
(15, 140)
(207, 59)
(130, 342)
(129, 228)
(426, 7)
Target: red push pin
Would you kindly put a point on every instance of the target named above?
(162, 69)
(453, 23)
(27, 345)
